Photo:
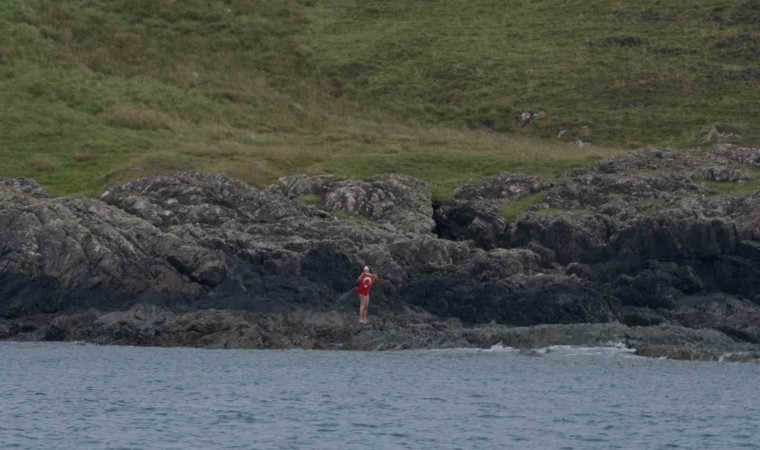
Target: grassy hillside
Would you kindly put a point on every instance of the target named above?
(96, 92)
(635, 72)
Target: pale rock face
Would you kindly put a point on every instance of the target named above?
(198, 198)
(66, 251)
(398, 200)
(23, 186)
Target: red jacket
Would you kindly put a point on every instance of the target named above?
(366, 281)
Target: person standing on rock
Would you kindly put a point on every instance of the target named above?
(366, 280)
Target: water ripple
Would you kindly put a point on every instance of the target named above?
(67, 396)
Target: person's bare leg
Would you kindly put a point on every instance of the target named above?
(361, 308)
(366, 309)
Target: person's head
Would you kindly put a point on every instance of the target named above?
(366, 269)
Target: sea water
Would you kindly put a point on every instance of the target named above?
(70, 396)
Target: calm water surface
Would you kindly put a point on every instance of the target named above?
(69, 396)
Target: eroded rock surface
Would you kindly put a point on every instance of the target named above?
(504, 186)
(65, 253)
(23, 186)
(398, 200)
(207, 260)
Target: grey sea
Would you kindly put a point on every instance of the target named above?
(70, 396)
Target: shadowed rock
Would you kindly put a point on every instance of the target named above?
(73, 252)
(571, 237)
(480, 221)
(210, 261)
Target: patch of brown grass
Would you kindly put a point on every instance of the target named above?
(125, 116)
(42, 165)
(150, 165)
(257, 172)
(82, 156)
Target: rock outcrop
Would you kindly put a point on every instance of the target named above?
(399, 200)
(475, 211)
(504, 186)
(70, 253)
(636, 249)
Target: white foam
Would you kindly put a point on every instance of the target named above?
(607, 348)
(501, 348)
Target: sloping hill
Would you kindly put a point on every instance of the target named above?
(635, 72)
(96, 92)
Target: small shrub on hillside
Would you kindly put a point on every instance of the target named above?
(299, 20)
(302, 51)
(82, 156)
(257, 171)
(123, 116)
(42, 165)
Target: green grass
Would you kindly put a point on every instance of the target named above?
(738, 189)
(552, 211)
(449, 168)
(342, 215)
(310, 200)
(98, 92)
(512, 210)
(635, 72)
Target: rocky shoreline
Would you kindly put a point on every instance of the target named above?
(148, 325)
(640, 249)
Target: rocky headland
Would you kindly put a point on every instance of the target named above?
(648, 249)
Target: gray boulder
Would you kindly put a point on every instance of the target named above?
(676, 234)
(519, 301)
(479, 221)
(23, 186)
(658, 287)
(738, 154)
(723, 174)
(294, 186)
(200, 198)
(572, 237)
(400, 200)
(504, 186)
(74, 252)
